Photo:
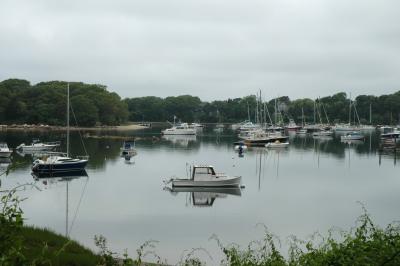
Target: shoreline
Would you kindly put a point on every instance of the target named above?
(64, 128)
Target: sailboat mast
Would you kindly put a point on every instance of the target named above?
(248, 111)
(370, 114)
(315, 118)
(276, 113)
(350, 110)
(68, 120)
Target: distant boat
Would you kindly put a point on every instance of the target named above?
(260, 137)
(352, 136)
(38, 146)
(60, 163)
(394, 133)
(277, 144)
(241, 146)
(292, 125)
(205, 176)
(5, 152)
(128, 149)
(323, 133)
(145, 124)
(179, 129)
(302, 132)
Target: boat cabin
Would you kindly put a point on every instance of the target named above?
(3, 145)
(202, 171)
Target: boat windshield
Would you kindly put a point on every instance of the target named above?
(3, 145)
(203, 171)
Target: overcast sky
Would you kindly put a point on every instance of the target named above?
(215, 49)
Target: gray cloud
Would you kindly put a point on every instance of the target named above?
(213, 49)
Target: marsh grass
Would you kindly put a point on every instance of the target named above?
(44, 245)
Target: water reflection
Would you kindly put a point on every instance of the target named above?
(4, 164)
(204, 197)
(49, 180)
(180, 140)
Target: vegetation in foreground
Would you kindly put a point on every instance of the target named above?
(365, 244)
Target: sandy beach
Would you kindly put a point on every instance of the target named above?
(129, 127)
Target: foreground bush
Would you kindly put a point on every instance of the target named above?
(365, 244)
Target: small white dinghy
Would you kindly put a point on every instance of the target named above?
(5, 152)
(277, 144)
(205, 176)
(241, 147)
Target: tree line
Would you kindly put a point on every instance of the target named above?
(93, 104)
(45, 103)
(384, 109)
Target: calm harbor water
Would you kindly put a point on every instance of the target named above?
(312, 186)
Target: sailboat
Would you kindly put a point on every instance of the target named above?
(61, 163)
(302, 131)
(348, 127)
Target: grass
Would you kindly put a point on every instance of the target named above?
(55, 248)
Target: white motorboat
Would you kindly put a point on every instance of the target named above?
(391, 134)
(5, 152)
(277, 144)
(352, 136)
(205, 176)
(38, 146)
(180, 129)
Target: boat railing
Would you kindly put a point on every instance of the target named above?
(83, 157)
(53, 143)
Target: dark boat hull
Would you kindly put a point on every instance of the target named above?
(262, 142)
(60, 168)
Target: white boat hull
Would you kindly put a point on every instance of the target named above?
(231, 182)
(5, 154)
(45, 147)
(180, 132)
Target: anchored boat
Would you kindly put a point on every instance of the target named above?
(37, 146)
(5, 152)
(277, 144)
(352, 136)
(205, 176)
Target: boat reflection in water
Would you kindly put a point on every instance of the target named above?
(205, 197)
(37, 154)
(49, 178)
(59, 176)
(4, 166)
(180, 140)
